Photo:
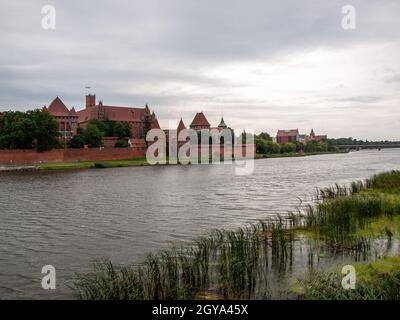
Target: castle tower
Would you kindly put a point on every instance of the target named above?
(222, 124)
(181, 126)
(90, 100)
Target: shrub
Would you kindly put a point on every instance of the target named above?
(77, 141)
(122, 143)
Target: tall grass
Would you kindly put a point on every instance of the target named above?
(375, 281)
(239, 264)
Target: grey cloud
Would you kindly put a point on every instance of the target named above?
(137, 52)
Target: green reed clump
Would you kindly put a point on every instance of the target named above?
(379, 280)
(386, 181)
(107, 283)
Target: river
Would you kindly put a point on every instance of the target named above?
(69, 218)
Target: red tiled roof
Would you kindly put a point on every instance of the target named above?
(58, 108)
(286, 133)
(155, 124)
(181, 126)
(200, 120)
(112, 113)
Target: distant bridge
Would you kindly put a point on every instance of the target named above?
(368, 146)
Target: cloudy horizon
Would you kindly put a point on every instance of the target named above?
(264, 65)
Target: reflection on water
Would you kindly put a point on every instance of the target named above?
(66, 219)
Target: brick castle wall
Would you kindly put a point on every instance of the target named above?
(31, 157)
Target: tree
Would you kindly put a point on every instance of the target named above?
(78, 141)
(122, 143)
(311, 146)
(27, 130)
(299, 146)
(266, 147)
(265, 136)
(92, 136)
(101, 125)
(122, 130)
(45, 131)
(288, 148)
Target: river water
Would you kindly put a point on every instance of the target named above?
(69, 218)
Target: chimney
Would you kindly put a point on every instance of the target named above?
(90, 100)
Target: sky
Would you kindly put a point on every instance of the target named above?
(264, 65)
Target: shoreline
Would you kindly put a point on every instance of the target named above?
(134, 162)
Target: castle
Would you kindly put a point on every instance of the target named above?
(69, 119)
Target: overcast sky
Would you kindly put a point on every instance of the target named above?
(263, 64)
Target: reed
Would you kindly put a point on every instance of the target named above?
(242, 263)
(375, 281)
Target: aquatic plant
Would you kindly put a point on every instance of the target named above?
(245, 263)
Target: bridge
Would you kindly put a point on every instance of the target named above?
(369, 146)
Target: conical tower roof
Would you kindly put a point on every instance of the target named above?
(181, 126)
(222, 123)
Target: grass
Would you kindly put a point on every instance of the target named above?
(142, 161)
(94, 164)
(379, 280)
(250, 262)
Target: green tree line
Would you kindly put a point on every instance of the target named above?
(265, 145)
(35, 129)
(95, 130)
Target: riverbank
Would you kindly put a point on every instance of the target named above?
(141, 161)
(296, 154)
(94, 164)
(279, 258)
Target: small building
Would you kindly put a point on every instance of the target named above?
(285, 136)
(313, 137)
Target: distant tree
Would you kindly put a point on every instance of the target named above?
(92, 136)
(16, 131)
(101, 125)
(288, 148)
(265, 136)
(266, 147)
(78, 141)
(122, 130)
(122, 143)
(46, 130)
(274, 147)
(331, 147)
(299, 146)
(27, 130)
(311, 146)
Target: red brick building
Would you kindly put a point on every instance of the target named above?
(314, 137)
(286, 136)
(70, 120)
